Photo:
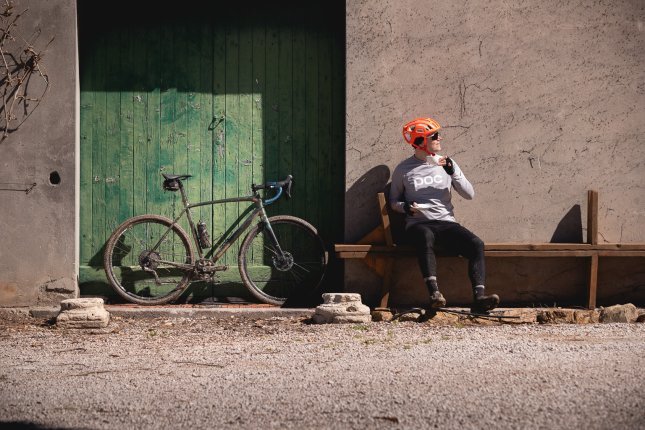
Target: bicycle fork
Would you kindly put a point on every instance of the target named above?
(282, 260)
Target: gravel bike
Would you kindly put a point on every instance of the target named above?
(151, 260)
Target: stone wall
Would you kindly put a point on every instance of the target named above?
(37, 229)
(540, 101)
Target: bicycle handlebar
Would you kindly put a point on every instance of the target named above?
(284, 185)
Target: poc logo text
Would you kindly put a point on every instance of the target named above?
(428, 180)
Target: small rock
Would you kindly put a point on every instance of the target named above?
(619, 313)
(410, 316)
(590, 316)
(381, 316)
(556, 316)
(342, 308)
(83, 313)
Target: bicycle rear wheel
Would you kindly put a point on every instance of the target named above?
(296, 264)
(148, 262)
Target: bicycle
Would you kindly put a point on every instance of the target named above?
(150, 259)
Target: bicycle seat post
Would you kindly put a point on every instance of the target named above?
(184, 197)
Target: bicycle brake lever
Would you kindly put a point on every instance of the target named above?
(288, 188)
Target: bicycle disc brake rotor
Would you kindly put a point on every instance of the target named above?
(283, 262)
(149, 260)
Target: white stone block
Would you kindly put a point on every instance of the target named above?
(83, 313)
(342, 308)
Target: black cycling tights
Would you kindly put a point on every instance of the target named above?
(455, 239)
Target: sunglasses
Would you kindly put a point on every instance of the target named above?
(435, 136)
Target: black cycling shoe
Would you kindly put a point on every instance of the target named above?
(437, 300)
(483, 303)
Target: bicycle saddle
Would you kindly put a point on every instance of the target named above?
(174, 177)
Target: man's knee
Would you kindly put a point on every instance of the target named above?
(477, 244)
(422, 238)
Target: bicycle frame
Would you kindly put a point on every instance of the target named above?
(228, 239)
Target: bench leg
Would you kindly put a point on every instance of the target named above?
(387, 282)
(593, 281)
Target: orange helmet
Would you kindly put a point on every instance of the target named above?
(420, 127)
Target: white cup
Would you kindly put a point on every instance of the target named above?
(433, 160)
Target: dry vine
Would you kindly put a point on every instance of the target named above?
(20, 61)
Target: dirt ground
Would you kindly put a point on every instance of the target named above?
(288, 373)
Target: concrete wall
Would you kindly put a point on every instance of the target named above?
(540, 101)
(37, 229)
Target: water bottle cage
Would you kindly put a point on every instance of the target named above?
(202, 236)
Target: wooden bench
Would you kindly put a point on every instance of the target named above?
(378, 249)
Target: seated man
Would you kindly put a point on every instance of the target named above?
(421, 188)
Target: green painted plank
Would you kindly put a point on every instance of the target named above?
(285, 109)
(192, 58)
(271, 110)
(167, 133)
(125, 158)
(112, 145)
(156, 199)
(325, 146)
(312, 190)
(182, 64)
(99, 133)
(299, 170)
(245, 88)
(257, 112)
(233, 123)
(139, 111)
(205, 135)
(87, 115)
(219, 130)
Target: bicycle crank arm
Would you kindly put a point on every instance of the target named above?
(157, 280)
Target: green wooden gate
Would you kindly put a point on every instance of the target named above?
(231, 98)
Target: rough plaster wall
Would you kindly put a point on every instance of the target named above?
(540, 101)
(37, 239)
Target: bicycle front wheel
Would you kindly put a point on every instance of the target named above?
(283, 257)
(148, 260)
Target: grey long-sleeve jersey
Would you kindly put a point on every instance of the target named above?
(414, 180)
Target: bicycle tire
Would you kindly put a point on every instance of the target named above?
(128, 250)
(273, 281)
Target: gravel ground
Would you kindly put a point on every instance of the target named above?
(286, 373)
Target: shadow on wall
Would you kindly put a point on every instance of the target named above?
(569, 229)
(361, 204)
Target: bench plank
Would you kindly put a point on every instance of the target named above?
(605, 249)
